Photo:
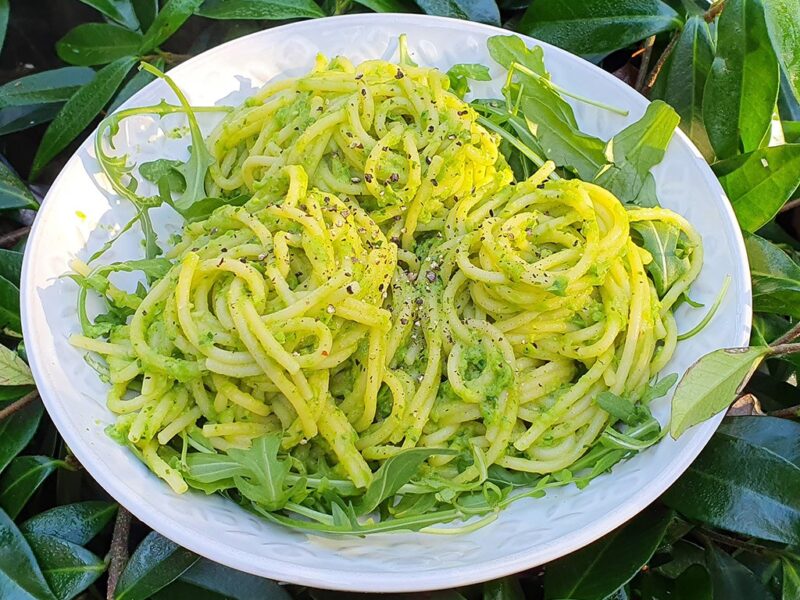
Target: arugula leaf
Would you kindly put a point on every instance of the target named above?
(193, 170)
(547, 116)
(166, 175)
(460, 74)
(661, 240)
(659, 388)
(393, 474)
(265, 481)
(618, 407)
(634, 151)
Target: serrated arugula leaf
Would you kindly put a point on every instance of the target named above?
(662, 241)
(265, 478)
(634, 151)
(460, 75)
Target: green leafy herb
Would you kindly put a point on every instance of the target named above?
(669, 262)
(460, 74)
(264, 480)
(634, 151)
(393, 474)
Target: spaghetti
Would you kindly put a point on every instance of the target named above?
(388, 286)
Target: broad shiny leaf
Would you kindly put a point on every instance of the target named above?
(67, 567)
(77, 523)
(17, 430)
(791, 580)
(97, 44)
(601, 568)
(380, 6)
(155, 563)
(597, 27)
(79, 111)
(775, 276)
(45, 87)
(740, 485)
(275, 9)
(783, 21)
(169, 19)
(21, 479)
(207, 579)
(20, 575)
(19, 118)
(683, 78)
(711, 384)
(482, 11)
(4, 14)
(742, 86)
(13, 370)
(13, 191)
(731, 580)
(758, 184)
(121, 11)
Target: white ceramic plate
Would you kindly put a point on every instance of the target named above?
(78, 216)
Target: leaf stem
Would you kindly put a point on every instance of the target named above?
(714, 11)
(118, 553)
(789, 336)
(790, 205)
(784, 349)
(564, 92)
(651, 81)
(12, 237)
(18, 405)
(645, 64)
(791, 412)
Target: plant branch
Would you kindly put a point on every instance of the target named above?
(651, 81)
(12, 237)
(790, 205)
(714, 11)
(784, 349)
(118, 553)
(645, 64)
(18, 405)
(789, 336)
(733, 542)
(790, 412)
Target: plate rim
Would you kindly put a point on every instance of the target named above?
(375, 581)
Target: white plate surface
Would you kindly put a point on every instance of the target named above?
(78, 216)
